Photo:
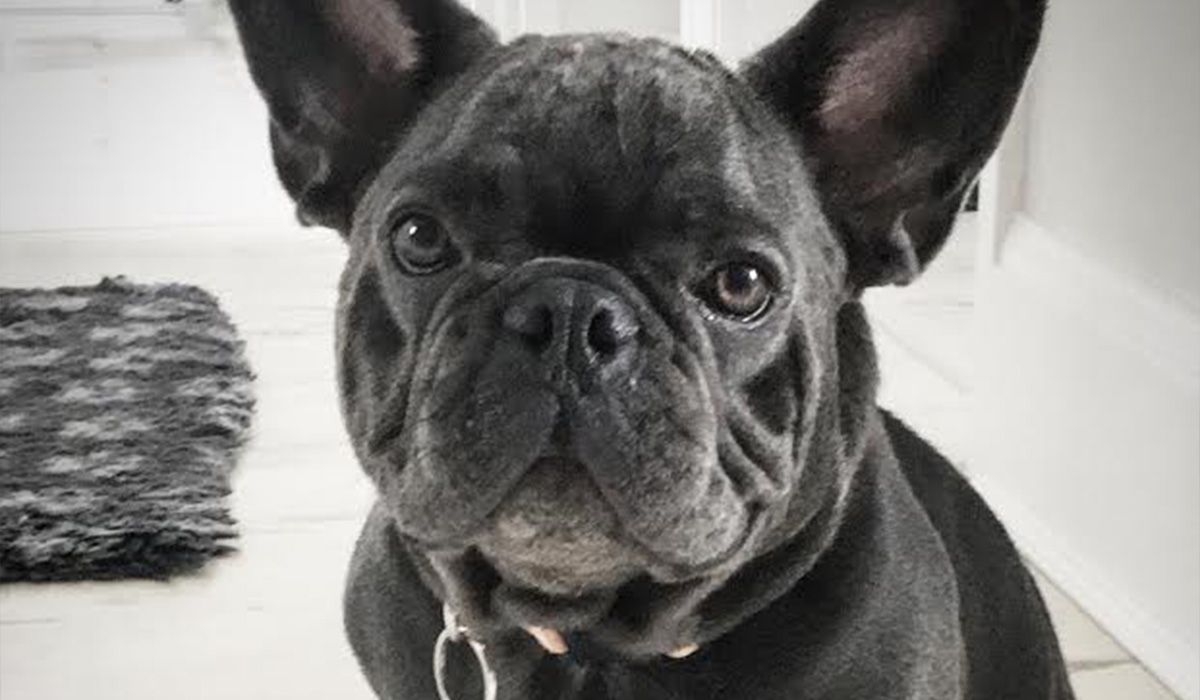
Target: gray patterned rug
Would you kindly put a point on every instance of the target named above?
(122, 408)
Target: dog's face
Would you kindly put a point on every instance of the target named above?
(603, 278)
(599, 328)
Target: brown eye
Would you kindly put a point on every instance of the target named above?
(422, 246)
(740, 290)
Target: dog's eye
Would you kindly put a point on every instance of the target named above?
(740, 290)
(422, 245)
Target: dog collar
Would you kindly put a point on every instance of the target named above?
(454, 633)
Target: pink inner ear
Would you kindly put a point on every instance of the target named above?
(879, 67)
(378, 32)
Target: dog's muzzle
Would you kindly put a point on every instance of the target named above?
(564, 364)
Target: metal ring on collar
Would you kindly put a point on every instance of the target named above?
(453, 633)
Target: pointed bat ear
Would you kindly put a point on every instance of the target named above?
(898, 104)
(343, 79)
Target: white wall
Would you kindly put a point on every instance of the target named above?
(1115, 143)
(87, 140)
(1087, 382)
(658, 18)
(748, 25)
(732, 28)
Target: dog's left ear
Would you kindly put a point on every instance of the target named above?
(898, 104)
(343, 79)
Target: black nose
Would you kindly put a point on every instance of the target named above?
(582, 321)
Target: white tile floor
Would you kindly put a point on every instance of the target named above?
(140, 158)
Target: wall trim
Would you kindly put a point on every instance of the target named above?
(1000, 185)
(1136, 317)
(1170, 658)
(510, 18)
(700, 24)
(1161, 338)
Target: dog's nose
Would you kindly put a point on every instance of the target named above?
(586, 322)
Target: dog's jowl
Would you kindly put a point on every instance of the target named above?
(602, 351)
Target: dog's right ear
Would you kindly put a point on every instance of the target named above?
(898, 105)
(343, 79)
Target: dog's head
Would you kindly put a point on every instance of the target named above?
(599, 329)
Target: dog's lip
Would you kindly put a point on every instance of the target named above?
(531, 608)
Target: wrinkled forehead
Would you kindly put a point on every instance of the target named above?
(597, 130)
(595, 100)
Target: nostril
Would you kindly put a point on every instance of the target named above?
(534, 323)
(574, 322)
(602, 333)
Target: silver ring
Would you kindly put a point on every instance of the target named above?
(450, 634)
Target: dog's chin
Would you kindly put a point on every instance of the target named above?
(557, 537)
(555, 554)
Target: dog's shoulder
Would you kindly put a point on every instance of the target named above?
(392, 620)
(1011, 650)
(955, 508)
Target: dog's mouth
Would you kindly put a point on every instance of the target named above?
(636, 618)
(554, 560)
(557, 552)
(531, 607)
(556, 533)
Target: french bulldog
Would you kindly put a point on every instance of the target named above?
(602, 350)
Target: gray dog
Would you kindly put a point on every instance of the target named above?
(602, 350)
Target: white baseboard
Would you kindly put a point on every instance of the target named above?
(1087, 398)
(1134, 316)
(1173, 660)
